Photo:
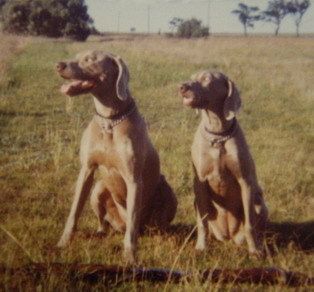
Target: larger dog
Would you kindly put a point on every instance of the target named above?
(229, 201)
(130, 192)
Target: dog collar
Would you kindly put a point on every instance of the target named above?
(108, 123)
(218, 139)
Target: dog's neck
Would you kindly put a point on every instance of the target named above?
(215, 122)
(110, 105)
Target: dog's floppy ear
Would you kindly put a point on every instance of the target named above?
(232, 102)
(122, 84)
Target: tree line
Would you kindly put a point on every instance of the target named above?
(52, 18)
(275, 12)
(70, 18)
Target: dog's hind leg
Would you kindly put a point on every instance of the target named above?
(170, 202)
(98, 201)
(164, 205)
(105, 209)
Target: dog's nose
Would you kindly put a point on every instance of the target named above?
(184, 87)
(60, 66)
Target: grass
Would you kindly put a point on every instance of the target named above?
(39, 143)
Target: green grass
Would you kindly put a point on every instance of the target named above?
(39, 144)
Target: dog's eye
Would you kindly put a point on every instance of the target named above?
(206, 81)
(89, 59)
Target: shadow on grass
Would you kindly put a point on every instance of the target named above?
(278, 234)
(6, 116)
(183, 231)
(24, 114)
(87, 275)
(282, 234)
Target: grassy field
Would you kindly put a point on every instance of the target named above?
(39, 143)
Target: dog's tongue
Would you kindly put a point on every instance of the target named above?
(77, 87)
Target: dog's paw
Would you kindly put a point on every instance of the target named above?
(199, 253)
(258, 254)
(129, 256)
(199, 248)
(61, 244)
(239, 238)
(64, 241)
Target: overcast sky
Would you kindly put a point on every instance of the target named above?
(122, 15)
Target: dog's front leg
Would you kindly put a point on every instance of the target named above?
(247, 194)
(83, 187)
(201, 203)
(134, 208)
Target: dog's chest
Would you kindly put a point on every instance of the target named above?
(107, 153)
(213, 169)
(101, 157)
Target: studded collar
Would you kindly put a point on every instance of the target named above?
(218, 139)
(108, 123)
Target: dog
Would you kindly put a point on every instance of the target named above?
(228, 200)
(130, 192)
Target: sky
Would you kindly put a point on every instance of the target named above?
(154, 15)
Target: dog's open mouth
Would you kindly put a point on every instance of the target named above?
(77, 87)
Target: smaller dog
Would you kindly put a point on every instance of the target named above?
(229, 202)
(130, 192)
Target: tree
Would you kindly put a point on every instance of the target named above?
(14, 16)
(192, 28)
(175, 22)
(246, 16)
(275, 13)
(52, 18)
(78, 20)
(298, 9)
(45, 18)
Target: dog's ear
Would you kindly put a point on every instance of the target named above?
(122, 84)
(232, 102)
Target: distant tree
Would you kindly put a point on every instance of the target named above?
(192, 28)
(94, 31)
(45, 19)
(175, 22)
(276, 11)
(298, 9)
(132, 29)
(14, 16)
(52, 18)
(246, 16)
(78, 21)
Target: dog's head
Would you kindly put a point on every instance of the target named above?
(95, 72)
(211, 91)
